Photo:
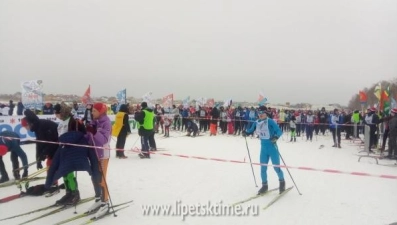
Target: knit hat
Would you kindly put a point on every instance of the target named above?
(262, 108)
(65, 111)
(394, 110)
(100, 107)
(30, 116)
(144, 104)
(372, 109)
(57, 108)
(3, 150)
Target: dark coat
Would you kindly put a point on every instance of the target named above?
(11, 106)
(45, 130)
(20, 108)
(215, 114)
(69, 158)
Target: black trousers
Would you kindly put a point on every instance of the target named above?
(15, 165)
(152, 142)
(120, 144)
(336, 135)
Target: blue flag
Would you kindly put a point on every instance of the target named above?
(121, 98)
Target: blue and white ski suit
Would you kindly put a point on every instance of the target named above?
(267, 129)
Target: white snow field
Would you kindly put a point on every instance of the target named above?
(327, 198)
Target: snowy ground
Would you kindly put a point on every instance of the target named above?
(327, 198)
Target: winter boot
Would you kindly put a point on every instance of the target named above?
(334, 145)
(74, 198)
(103, 210)
(64, 199)
(54, 189)
(291, 139)
(339, 146)
(17, 176)
(282, 186)
(94, 207)
(263, 189)
(4, 179)
(144, 155)
(294, 139)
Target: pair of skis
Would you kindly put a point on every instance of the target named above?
(274, 200)
(31, 177)
(18, 182)
(92, 219)
(43, 209)
(62, 208)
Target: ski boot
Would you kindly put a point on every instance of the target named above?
(94, 207)
(282, 186)
(144, 155)
(64, 199)
(74, 198)
(103, 210)
(263, 189)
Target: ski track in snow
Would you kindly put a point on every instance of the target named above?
(327, 198)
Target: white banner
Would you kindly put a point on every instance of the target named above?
(32, 95)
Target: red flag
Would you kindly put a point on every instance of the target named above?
(168, 100)
(383, 99)
(363, 97)
(86, 99)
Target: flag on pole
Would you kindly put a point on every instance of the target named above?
(121, 97)
(363, 97)
(227, 102)
(201, 101)
(168, 101)
(185, 102)
(86, 98)
(377, 91)
(148, 99)
(261, 99)
(385, 101)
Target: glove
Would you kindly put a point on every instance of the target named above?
(91, 129)
(39, 165)
(25, 174)
(274, 139)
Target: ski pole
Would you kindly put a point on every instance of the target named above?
(25, 167)
(275, 145)
(249, 156)
(103, 176)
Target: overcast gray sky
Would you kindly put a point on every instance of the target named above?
(293, 50)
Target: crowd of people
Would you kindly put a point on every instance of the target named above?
(92, 129)
(74, 144)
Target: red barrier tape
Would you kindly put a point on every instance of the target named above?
(230, 161)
